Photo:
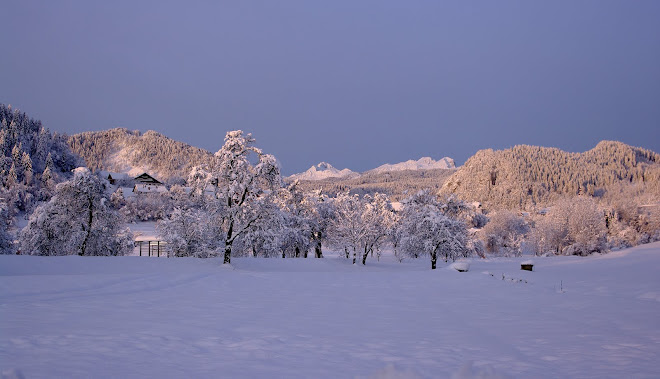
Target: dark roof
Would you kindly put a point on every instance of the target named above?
(146, 178)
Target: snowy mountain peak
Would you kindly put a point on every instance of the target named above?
(323, 170)
(324, 166)
(424, 163)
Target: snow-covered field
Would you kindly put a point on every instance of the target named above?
(118, 317)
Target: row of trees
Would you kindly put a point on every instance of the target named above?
(571, 226)
(237, 205)
(239, 208)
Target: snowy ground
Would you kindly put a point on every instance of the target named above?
(80, 317)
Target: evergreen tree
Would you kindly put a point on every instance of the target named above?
(6, 242)
(26, 165)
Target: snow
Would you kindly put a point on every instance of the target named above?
(149, 189)
(424, 163)
(460, 266)
(325, 170)
(130, 317)
(322, 171)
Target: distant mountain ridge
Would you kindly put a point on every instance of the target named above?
(424, 163)
(325, 170)
(124, 151)
(322, 171)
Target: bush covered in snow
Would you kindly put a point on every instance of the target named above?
(77, 220)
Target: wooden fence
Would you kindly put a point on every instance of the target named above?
(151, 248)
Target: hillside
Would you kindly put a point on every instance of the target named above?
(32, 161)
(526, 177)
(20, 134)
(395, 184)
(121, 150)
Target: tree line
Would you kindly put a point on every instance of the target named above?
(235, 203)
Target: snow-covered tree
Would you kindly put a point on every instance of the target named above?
(379, 219)
(12, 177)
(572, 226)
(187, 233)
(77, 220)
(150, 207)
(271, 235)
(361, 225)
(6, 242)
(26, 164)
(117, 198)
(232, 187)
(504, 233)
(296, 227)
(319, 212)
(347, 229)
(425, 230)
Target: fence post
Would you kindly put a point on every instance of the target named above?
(158, 247)
(140, 243)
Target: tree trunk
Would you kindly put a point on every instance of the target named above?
(228, 242)
(305, 254)
(354, 256)
(227, 259)
(365, 254)
(297, 252)
(83, 248)
(317, 249)
(346, 251)
(434, 259)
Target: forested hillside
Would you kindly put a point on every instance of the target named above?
(32, 160)
(397, 185)
(529, 177)
(122, 150)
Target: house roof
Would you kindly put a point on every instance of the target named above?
(146, 178)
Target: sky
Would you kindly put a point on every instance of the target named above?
(353, 83)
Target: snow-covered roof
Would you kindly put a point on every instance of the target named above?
(146, 178)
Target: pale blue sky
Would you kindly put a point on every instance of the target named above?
(354, 83)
